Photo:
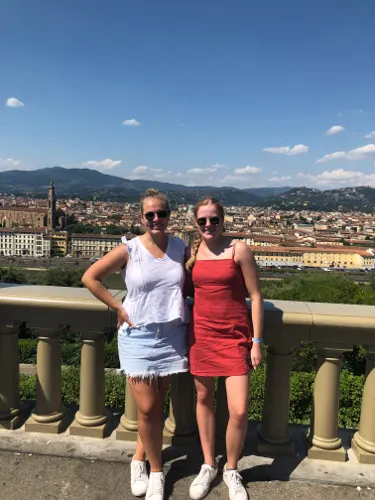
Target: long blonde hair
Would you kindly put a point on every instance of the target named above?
(198, 239)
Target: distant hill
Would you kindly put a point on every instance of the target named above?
(83, 182)
(361, 198)
(90, 184)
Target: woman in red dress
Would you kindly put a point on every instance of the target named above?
(223, 341)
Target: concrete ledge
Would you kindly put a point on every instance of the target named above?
(188, 458)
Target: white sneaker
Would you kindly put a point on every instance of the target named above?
(233, 480)
(138, 478)
(201, 484)
(155, 490)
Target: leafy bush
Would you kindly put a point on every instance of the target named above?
(300, 395)
(27, 351)
(12, 275)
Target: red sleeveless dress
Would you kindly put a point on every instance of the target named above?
(220, 332)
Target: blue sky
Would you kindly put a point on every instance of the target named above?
(234, 92)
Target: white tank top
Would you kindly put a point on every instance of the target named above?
(154, 285)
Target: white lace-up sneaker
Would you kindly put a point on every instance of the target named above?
(201, 484)
(155, 490)
(138, 478)
(236, 489)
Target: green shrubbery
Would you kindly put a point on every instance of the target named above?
(300, 395)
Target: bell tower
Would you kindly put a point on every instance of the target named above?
(51, 218)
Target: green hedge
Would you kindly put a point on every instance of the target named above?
(300, 394)
(70, 353)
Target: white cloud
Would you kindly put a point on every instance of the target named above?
(248, 170)
(144, 169)
(282, 178)
(336, 129)
(13, 102)
(219, 165)
(287, 150)
(107, 164)
(354, 154)
(8, 163)
(132, 122)
(371, 135)
(205, 170)
(339, 177)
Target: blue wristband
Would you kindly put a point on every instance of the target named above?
(257, 341)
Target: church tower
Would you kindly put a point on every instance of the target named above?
(51, 218)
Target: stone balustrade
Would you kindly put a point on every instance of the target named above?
(335, 328)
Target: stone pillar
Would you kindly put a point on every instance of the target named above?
(128, 427)
(181, 424)
(222, 413)
(91, 420)
(48, 415)
(273, 432)
(363, 443)
(9, 379)
(324, 442)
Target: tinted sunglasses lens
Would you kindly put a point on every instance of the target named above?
(162, 214)
(201, 221)
(150, 216)
(215, 220)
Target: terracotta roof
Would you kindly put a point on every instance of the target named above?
(360, 251)
(92, 236)
(25, 209)
(31, 230)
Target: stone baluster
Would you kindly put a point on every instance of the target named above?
(181, 425)
(10, 413)
(273, 432)
(221, 413)
(324, 441)
(128, 427)
(48, 415)
(92, 418)
(363, 443)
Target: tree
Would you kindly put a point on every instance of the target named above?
(13, 275)
(62, 276)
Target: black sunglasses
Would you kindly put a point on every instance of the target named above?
(162, 214)
(202, 221)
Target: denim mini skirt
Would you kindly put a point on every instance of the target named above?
(154, 350)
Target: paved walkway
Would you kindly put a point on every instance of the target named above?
(26, 476)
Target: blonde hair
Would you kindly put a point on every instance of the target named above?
(154, 193)
(198, 239)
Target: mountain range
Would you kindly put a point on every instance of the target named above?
(86, 183)
(90, 184)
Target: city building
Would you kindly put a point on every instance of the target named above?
(17, 216)
(93, 245)
(334, 258)
(17, 242)
(59, 243)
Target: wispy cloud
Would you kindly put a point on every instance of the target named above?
(282, 178)
(13, 102)
(336, 129)
(248, 170)
(203, 170)
(107, 164)
(371, 135)
(132, 122)
(8, 163)
(361, 153)
(144, 169)
(339, 177)
(287, 150)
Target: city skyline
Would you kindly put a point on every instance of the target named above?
(228, 95)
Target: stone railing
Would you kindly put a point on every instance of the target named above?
(335, 328)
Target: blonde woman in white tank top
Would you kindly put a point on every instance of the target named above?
(152, 328)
